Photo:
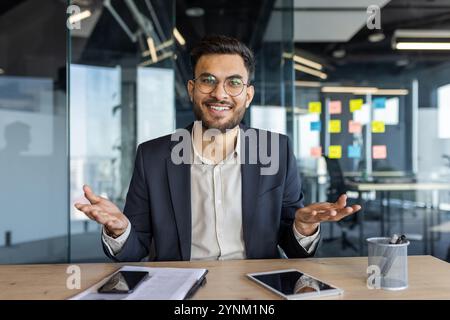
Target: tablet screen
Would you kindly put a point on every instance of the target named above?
(292, 282)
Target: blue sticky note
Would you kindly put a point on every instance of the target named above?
(315, 126)
(379, 103)
(354, 151)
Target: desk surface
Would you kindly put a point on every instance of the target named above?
(429, 278)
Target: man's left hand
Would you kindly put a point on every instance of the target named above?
(307, 219)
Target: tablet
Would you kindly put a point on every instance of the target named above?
(293, 285)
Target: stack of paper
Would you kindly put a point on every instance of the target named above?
(162, 284)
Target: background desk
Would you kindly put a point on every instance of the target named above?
(362, 187)
(429, 278)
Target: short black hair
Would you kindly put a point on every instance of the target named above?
(220, 44)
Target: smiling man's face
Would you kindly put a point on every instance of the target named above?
(218, 109)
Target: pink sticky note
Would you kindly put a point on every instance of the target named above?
(335, 107)
(379, 152)
(354, 127)
(316, 152)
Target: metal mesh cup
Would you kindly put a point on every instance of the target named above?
(392, 259)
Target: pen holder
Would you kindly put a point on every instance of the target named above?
(392, 259)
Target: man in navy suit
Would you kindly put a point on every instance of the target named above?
(216, 189)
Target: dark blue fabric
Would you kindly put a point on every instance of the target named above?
(158, 205)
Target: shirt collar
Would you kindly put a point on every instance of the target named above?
(232, 158)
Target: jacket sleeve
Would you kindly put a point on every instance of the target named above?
(292, 200)
(137, 210)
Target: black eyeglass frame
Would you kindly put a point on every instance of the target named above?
(243, 86)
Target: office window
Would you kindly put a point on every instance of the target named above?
(443, 103)
(121, 94)
(155, 103)
(390, 113)
(269, 118)
(95, 135)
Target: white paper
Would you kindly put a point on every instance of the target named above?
(162, 284)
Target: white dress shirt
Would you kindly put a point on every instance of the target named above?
(216, 206)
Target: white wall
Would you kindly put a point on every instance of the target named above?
(431, 148)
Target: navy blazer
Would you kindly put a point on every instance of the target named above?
(158, 204)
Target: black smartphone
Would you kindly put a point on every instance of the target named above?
(123, 282)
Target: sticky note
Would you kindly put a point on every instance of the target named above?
(316, 152)
(335, 107)
(334, 152)
(315, 126)
(354, 127)
(379, 152)
(378, 127)
(379, 103)
(356, 104)
(334, 126)
(354, 151)
(315, 107)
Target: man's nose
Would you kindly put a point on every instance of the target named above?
(219, 92)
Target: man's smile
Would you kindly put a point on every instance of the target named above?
(218, 108)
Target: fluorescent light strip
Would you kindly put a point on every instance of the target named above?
(160, 58)
(151, 47)
(79, 16)
(415, 33)
(163, 45)
(357, 90)
(422, 46)
(179, 37)
(307, 62)
(310, 71)
(310, 84)
(391, 92)
(366, 90)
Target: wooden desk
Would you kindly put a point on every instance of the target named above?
(429, 278)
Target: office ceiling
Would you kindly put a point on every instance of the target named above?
(244, 19)
(361, 56)
(318, 33)
(323, 21)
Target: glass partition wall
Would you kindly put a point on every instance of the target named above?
(34, 168)
(77, 97)
(121, 82)
(371, 86)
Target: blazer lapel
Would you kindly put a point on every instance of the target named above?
(179, 178)
(250, 173)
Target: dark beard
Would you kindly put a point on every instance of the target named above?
(238, 115)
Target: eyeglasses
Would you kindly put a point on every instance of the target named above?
(207, 83)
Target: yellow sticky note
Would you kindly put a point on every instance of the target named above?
(356, 104)
(334, 152)
(334, 126)
(315, 107)
(378, 127)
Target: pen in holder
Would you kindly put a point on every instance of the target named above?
(392, 260)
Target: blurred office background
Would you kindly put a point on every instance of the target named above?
(367, 109)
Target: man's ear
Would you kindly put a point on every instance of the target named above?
(190, 88)
(250, 95)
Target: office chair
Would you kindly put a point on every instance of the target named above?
(336, 188)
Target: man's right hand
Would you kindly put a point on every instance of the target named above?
(104, 212)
